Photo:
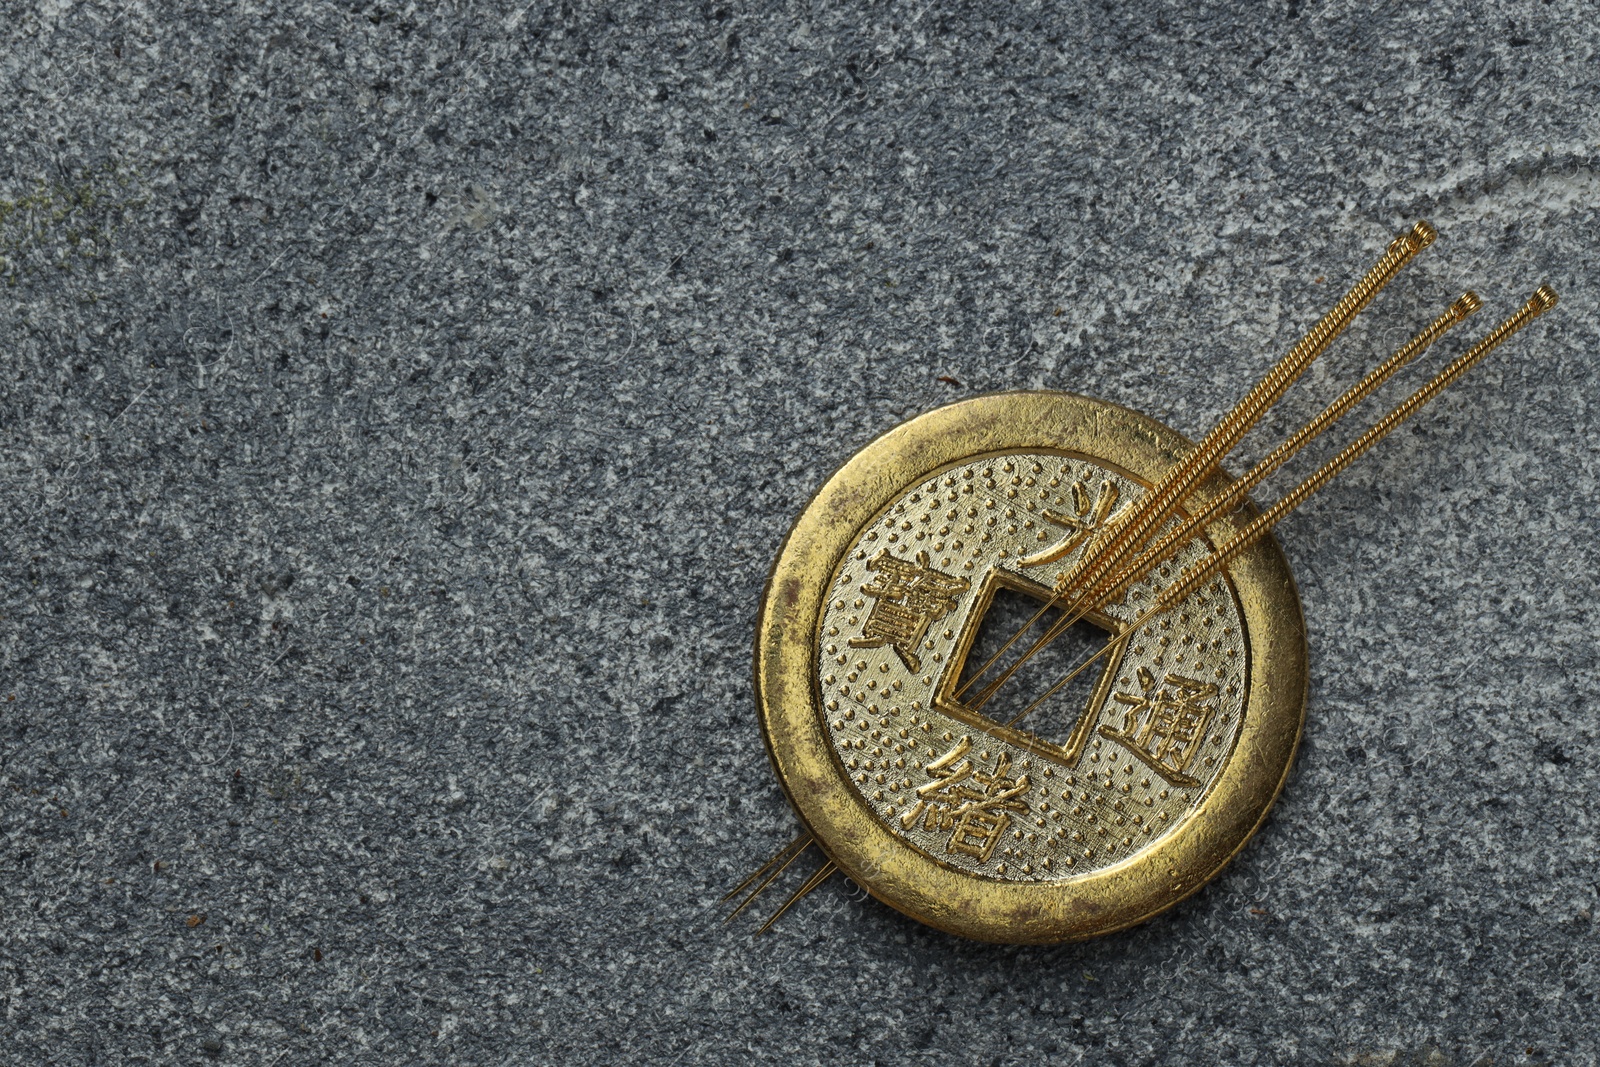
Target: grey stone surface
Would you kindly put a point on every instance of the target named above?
(401, 405)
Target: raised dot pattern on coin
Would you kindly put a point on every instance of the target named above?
(966, 790)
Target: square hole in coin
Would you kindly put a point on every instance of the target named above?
(1060, 720)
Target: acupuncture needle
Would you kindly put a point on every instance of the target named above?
(1543, 299)
(1169, 545)
(1115, 544)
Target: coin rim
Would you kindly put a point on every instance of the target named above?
(893, 870)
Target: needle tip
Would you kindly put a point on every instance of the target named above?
(1546, 298)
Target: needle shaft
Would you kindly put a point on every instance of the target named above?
(821, 875)
(762, 888)
(777, 857)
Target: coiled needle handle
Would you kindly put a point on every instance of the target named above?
(1132, 534)
(1543, 299)
(1169, 544)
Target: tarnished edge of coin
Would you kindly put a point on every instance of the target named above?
(905, 878)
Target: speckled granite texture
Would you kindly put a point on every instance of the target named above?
(401, 405)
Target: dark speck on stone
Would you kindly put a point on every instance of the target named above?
(521, 333)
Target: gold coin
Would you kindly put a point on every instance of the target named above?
(1094, 812)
